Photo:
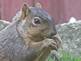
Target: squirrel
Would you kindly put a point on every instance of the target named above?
(29, 38)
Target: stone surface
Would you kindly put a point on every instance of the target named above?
(3, 24)
(71, 37)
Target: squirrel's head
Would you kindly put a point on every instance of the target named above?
(36, 22)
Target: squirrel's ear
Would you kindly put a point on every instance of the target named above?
(25, 11)
(38, 5)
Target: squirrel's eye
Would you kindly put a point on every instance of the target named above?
(36, 21)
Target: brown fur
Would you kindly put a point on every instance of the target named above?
(36, 37)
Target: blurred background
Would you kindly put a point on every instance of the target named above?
(60, 10)
(67, 17)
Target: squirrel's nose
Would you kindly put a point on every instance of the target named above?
(51, 35)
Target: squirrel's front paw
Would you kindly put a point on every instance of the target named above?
(50, 43)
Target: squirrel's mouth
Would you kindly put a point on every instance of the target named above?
(50, 36)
